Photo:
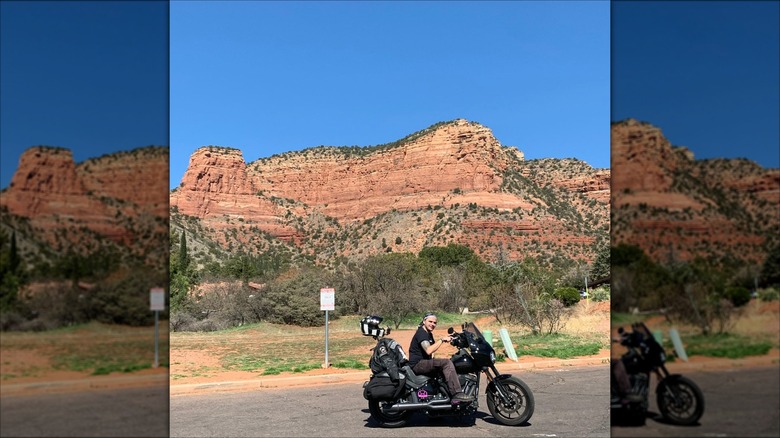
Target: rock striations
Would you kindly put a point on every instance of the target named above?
(117, 199)
(451, 182)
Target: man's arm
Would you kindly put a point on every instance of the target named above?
(431, 348)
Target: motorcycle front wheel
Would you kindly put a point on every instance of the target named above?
(680, 400)
(521, 408)
(387, 419)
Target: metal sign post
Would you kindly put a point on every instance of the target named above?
(156, 303)
(327, 302)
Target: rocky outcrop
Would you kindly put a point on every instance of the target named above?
(309, 198)
(643, 156)
(672, 205)
(596, 186)
(461, 156)
(119, 198)
(216, 188)
(133, 177)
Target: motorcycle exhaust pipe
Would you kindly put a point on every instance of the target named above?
(436, 404)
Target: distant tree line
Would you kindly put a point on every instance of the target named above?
(393, 285)
(74, 288)
(708, 294)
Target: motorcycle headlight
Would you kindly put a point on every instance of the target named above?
(493, 357)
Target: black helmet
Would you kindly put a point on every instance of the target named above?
(370, 326)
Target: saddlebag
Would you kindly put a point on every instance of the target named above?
(382, 388)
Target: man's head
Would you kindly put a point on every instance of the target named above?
(429, 321)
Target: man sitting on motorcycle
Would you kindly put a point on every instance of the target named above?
(422, 362)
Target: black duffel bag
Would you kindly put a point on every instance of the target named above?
(383, 388)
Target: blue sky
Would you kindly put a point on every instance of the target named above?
(706, 73)
(270, 77)
(88, 76)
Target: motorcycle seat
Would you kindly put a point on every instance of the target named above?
(413, 379)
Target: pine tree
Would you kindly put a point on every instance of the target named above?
(9, 282)
(13, 260)
(184, 258)
(601, 266)
(770, 271)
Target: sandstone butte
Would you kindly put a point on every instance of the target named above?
(114, 195)
(450, 164)
(672, 205)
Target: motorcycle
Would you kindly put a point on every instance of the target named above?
(509, 399)
(679, 399)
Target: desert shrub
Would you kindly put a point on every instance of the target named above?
(601, 293)
(56, 304)
(181, 321)
(739, 296)
(296, 300)
(124, 301)
(391, 285)
(769, 294)
(569, 296)
(11, 320)
(38, 325)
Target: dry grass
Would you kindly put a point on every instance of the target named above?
(589, 318)
(92, 348)
(271, 348)
(760, 319)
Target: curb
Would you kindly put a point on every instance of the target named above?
(588, 361)
(725, 364)
(351, 377)
(85, 384)
(271, 382)
(267, 383)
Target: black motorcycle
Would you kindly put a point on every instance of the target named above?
(509, 399)
(679, 399)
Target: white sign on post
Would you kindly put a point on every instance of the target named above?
(327, 302)
(157, 298)
(327, 299)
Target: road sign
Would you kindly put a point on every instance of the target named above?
(157, 298)
(327, 298)
(327, 302)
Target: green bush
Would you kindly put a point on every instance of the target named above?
(569, 296)
(769, 294)
(601, 293)
(738, 295)
(296, 300)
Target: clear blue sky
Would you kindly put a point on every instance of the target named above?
(706, 73)
(88, 76)
(271, 77)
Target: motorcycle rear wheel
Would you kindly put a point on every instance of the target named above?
(387, 419)
(680, 400)
(523, 399)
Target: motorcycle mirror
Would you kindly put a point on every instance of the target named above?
(450, 331)
(620, 330)
(387, 330)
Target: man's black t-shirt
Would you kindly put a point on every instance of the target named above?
(416, 351)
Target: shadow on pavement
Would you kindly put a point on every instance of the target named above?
(419, 419)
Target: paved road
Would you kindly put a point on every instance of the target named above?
(738, 402)
(569, 402)
(126, 412)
